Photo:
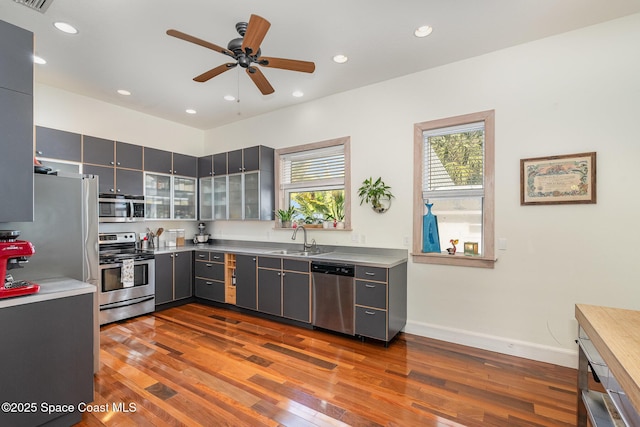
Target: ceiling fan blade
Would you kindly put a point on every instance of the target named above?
(203, 43)
(256, 30)
(287, 64)
(260, 80)
(214, 72)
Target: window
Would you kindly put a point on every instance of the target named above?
(454, 171)
(314, 179)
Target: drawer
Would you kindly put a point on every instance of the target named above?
(371, 294)
(371, 323)
(210, 289)
(269, 262)
(295, 265)
(216, 256)
(202, 256)
(210, 270)
(371, 273)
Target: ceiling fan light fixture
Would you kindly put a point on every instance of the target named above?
(190, 111)
(124, 92)
(298, 93)
(340, 59)
(65, 27)
(423, 31)
(39, 60)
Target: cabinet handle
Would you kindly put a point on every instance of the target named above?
(176, 255)
(209, 265)
(370, 313)
(111, 163)
(111, 189)
(200, 256)
(216, 257)
(117, 163)
(119, 191)
(368, 273)
(171, 256)
(208, 283)
(39, 153)
(368, 285)
(279, 274)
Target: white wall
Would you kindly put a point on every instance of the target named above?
(571, 93)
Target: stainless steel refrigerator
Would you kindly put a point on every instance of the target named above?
(64, 233)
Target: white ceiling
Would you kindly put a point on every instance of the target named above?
(122, 44)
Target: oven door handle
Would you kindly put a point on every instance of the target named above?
(126, 303)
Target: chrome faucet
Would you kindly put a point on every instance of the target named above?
(305, 245)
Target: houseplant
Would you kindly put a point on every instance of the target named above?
(286, 216)
(377, 193)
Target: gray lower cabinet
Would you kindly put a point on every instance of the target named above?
(284, 288)
(381, 301)
(174, 276)
(246, 282)
(209, 273)
(47, 356)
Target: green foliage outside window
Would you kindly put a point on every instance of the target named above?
(317, 206)
(461, 154)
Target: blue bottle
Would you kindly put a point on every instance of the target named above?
(430, 237)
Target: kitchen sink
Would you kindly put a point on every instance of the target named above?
(293, 252)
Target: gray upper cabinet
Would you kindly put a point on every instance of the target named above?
(128, 156)
(220, 164)
(129, 182)
(58, 144)
(16, 51)
(248, 159)
(98, 151)
(157, 160)
(16, 122)
(184, 165)
(205, 166)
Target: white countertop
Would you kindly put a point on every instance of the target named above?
(51, 289)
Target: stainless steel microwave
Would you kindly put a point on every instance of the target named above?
(120, 208)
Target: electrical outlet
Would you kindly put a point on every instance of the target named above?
(355, 237)
(405, 240)
(502, 244)
(363, 239)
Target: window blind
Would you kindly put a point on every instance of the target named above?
(319, 167)
(453, 161)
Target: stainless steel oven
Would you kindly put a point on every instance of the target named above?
(120, 208)
(127, 278)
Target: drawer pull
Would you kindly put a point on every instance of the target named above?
(208, 283)
(216, 257)
(370, 313)
(368, 273)
(209, 265)
(369, 285)
(201, 256)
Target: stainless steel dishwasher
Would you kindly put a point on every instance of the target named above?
(333, 297)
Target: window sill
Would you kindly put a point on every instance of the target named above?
(459, 260)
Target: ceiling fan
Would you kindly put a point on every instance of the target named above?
(246, 51)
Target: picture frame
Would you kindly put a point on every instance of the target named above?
(552, 180)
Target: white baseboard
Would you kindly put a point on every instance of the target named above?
(527, 350)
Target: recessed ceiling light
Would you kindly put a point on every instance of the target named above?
(229, 98)
(124, 92)
(340, 59)
(39, 60)
(190, 111)
(65, 28)
(423, 31)
(298, 94)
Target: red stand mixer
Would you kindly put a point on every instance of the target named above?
(13, 252)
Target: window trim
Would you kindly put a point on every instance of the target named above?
(280, 193)
(488, 218)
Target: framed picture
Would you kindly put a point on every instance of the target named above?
(558, 179)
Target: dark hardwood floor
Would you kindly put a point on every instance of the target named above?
(199, 365)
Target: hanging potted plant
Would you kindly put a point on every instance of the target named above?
(286, 216)
(377, 193)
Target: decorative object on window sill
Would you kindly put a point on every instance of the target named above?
(430, 237)
(452, 251)
(336, 211)
(377, 193)
(471, 248)
(286, 216)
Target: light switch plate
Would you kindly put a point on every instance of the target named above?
(502, 244)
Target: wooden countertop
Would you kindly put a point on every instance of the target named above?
(615, 332)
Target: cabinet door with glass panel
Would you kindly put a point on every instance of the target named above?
(169, 197)
(220, 197)
(206, 198)
(184, 197)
